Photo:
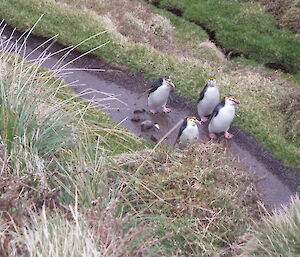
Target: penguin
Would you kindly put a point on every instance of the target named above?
(159, 93)
(222, 117)
(188, 132)
(208, 99)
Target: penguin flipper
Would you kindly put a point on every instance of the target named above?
(181, 129)
(155, 85)
(201, 96)
(216, 110)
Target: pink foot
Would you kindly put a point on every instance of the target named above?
(165, 109)
(212, 135)
(153, 111)
(204, 119)
(228, 135)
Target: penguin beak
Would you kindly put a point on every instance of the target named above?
(171, 84)
(198, 122)
(236, 101)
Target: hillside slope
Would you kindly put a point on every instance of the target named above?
(262, 113)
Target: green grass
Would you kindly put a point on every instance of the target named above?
(287, 13)
(43, 124)
(258, 114)
(246, 61)
(243, 28)
(296, 78)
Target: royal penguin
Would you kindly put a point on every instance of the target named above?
(159, 94)
(188, 132)
(222, 117)
(208, 99)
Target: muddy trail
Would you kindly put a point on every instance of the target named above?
(275, 182)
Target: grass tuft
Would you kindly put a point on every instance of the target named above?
(196, 200)
(277, 235)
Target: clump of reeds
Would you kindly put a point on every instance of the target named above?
(53, 145)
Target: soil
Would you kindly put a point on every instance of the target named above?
(127, 105)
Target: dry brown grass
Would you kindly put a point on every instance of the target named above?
(203, 200)
(135, 21)
(19, 197)
(34, 223)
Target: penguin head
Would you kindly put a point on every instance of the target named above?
(230, 99)
(167, 80)
(211, 82)
(192, 120)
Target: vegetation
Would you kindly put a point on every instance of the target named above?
(260, 112)
(72, 183)
(277, 235)
(243, 28)
(287, 12)
(66, 192)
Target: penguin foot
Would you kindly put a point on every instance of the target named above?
(212, 135)
(165, 109)
(153, 111)
(204, 119)
(228, 135)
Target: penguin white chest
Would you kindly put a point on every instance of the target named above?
(209, 101)
(159, 97)
(223, 120)
(189, 134)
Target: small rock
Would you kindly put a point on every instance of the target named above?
(148, 124)
(139, 111)
(135, 119)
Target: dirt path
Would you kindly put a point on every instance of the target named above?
(275, 182)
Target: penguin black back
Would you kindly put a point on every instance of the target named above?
(202, 93)
(156, 85)
(182, 127)
(217, 109)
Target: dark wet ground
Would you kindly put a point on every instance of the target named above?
(275, 182)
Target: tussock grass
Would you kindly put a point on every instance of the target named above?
(278, 234)
(75, 234)
(53, 146)
(196, 200)
(44, 127)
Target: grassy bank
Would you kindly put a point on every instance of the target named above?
(287, 12)
(261, 112)
(243, 28)
(66, 192)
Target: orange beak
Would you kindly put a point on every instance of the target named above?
(198, 122)
(171, 84)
